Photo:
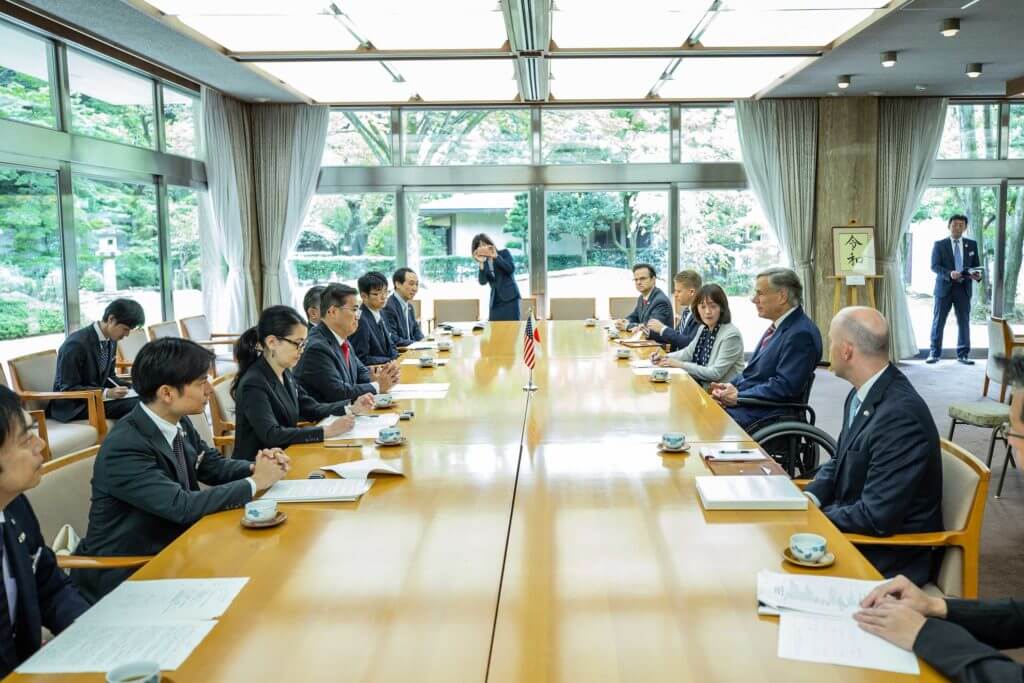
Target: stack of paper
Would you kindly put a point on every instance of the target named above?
(750, 493)
(438, 362)
(646, 372)
(131, 394)
(361, 469)
(317, 490)
(366, 426)
(732, 454)
(161, 621)
(422, 346)
(816, 622)
(428, 390)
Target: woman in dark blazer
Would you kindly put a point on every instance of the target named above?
(269, 403)
(498, 270)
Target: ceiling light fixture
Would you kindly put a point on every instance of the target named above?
(950, 27)
(974, 69)
(920, 88)
(843, 82)
(889, 59)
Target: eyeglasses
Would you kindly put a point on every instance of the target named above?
(355, 310)
(1014, 435)
(300, 345)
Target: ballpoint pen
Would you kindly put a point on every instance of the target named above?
(343, 445)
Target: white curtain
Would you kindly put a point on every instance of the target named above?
(779, 142)
(286, 166)
(909, 132)
(228, 293)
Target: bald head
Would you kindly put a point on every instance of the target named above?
(864, 328)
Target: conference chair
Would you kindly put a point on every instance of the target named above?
(965, 482)
(222, 406)
(415, 303)
(201, 421)
(621, 306)
(32, 379)
(456, 310)
(197, 328)
(167, 328)
(797, 452)
(526, 304)
(61, 499)
(573, 309)
(129, 347)
(1001, 341)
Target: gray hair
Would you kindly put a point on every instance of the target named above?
(784, 278)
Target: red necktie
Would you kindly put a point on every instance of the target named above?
(344, 349)
(768, 335)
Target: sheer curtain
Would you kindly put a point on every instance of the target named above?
(779, 142)
(909, 133)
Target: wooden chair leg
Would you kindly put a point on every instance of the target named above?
(1002, 392)
(970, 567)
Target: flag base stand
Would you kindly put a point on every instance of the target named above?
(530, 387)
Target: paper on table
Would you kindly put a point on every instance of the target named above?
(361, 469)
(838, 640)
(90, 646)
(166, 599)
(732, 455)
(131, 394)
(317, 490)
(366, 426)
(421, 346)
(426, 390)
(439, 362)
(825, 595)
(642, 364)
(646, 372)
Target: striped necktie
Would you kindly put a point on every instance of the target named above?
(767, 336)
(180, 467)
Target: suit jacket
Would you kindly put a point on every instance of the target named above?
(943, 264)
(405, 330)
(45, 595)
(373, 341)
(267, 412)
(886, 477)
(499, 273)
(680, 336)
(781, 370)
(726, 355)
(658, 307)
(78, 367)
(323, 372)
(963, 645)
(138, 506)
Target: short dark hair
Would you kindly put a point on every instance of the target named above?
(648, 266)
(335, 294)
(312, 298)
(688, 278)
(11, 414)
(716, 294)
(482, 238)
(371, 281)
(399, 277)
(957, 217)
(169, 361)
(126, 312)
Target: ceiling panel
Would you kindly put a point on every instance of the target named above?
(804, 4)
(780, 28)
(340, 81)
(266, 33)
(604, 23)
(605, 78)
(450, 80)
(727, 77)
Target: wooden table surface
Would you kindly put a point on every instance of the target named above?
(612, 570)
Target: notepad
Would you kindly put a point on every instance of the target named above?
(366, 426)
(424, 390)
(361, 469)
(317, 490)
(421, 346)
(438, 362)
(131, 394)
(732, 454)
(776, 492)
(646, 372)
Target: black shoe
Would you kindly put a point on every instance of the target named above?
(965, 361)
(932, 359)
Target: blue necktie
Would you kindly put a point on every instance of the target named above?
(958, 257)
(854, 407)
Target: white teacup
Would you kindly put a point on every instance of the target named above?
(444, 345)
(427, 361)
(808, 547)
(613, 333)
(673, 440)
(389, 435)
(659, 374)
(261, 510)
(456, 331)
(622, 353)
(590, 322)
(383, 400)
(135, 672)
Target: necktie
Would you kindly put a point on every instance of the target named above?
(768, 335)
(104, 357)
(854, 407)
(344, 350)
(408, 322)
(7, 642)
(683, 319)
(178, 447)
(958, 257)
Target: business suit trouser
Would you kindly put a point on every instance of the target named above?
(959, 299)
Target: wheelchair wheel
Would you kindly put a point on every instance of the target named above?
(796, 446)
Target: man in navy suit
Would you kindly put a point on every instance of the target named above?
(886, 476)
(399, 313)
(952, 261)
(329, 369)
(784, 360)
(684, 288)
(652, 304)
(374, 341)
(34, 592)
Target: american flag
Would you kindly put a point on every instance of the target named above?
(531, 337)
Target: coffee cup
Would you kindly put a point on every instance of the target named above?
(456, 331)
(382, 400)
(808, 547)
(590, 322)
(444, 345)
(426, 361)
(390, 435)
(261, 510)
(622, 353)
(673, 440)
(659, 374)
(135, 672)
(613, 333)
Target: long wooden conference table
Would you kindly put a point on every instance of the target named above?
(535, 537)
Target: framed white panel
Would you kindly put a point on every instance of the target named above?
(726, 77)
(782, 28)
(605, 78)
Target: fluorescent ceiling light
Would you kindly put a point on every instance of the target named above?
(775, 29)
(605, 79)
(802, 4)
(727, 77)
(426, 28)
(340, 81)
(273, 33)
(242, 7)
(454, 80)
(603, 24)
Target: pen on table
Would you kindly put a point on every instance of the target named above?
(343, 445)
(765, 470)
(742, 451)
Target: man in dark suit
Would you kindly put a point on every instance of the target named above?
(34, 591)
(311, 305)
(86, 360)
(652, 304)
(952, 261)
(783, 362)
(399, 313)
(886, 476)
(145, 483)
(329, 369)
(373, 341)
(684, 288)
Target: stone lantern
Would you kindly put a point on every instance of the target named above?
(106, 249)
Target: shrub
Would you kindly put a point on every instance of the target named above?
(341, 267)
(91, 281)
(13, 319)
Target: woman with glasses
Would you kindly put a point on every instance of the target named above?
(269, 403)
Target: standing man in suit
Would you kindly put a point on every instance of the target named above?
(952, 261)
(684, 289)
(145, 483)
(34, 591)
(783, 362)
(399, 313)
(498, 270)
(86, 360)
(311, 305)
(373, 341)
(329, 369)
(886, 476)
(652, 304)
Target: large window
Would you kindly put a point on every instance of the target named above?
(25, 78)
(447, 137)
(971, 132)
(186, 273)
(118, 251)
(1013, 278)
(1017, 131)
(109, 102)
(181, 122)
(605, 136)
(709, 134)
(358, 138)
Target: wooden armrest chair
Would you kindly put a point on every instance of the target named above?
(222, 406)
(167, 328)
(129, 347)
(620, 306)
(964, 489)
(456, 310)
(573, 309)
(197, 328)
(1001, 341)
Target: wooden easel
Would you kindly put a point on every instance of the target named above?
(851, 297)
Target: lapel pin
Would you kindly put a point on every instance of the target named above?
(21, 537)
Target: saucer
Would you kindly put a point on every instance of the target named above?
(682, 449)
(827, 560)
(400, 442)
(659, 381)
(281, 517)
